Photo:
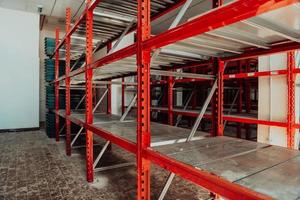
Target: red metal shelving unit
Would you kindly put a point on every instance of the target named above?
(142, 48)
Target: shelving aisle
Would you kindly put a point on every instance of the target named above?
(197, 160)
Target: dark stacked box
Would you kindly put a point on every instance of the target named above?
(50, 98)
(50, 105)
(50, 69)
(50, 124)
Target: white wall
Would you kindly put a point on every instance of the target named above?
(19, 77)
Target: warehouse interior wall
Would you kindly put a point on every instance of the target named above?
(19, 82)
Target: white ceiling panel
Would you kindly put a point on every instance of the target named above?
(28, 5)
(55, 8)
(61, 5)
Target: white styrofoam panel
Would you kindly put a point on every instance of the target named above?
(19, 77)
(278, 98)
(263, 135)
(278, 61)
(263, 100)
(272, 102)
(263, 89)
(278, 136)
(116, 98)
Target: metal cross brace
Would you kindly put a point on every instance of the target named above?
(101, 169)
(76, 108)
(174, 24)
(231, 106)
(190, 137)
(203, 110)
(194, 129)
(95, 108)
(132, 102)
(104, 148)
(157, 52)
(113, 49)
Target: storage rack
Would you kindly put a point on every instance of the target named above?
(222, 17)
(49, 76)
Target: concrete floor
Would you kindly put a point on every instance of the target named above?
(35, 167)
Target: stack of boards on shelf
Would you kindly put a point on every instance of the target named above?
(49, 46)
(49, 73)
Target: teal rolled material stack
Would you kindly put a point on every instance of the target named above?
(49, 46)
(49, 75)
(50, 124)
(49, 70)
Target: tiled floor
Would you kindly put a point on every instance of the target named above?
(35, 167)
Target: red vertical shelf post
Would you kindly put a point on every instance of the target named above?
(217, 3)
(89, 92)
(214, 104)
(195, 96)
(123, 96)
(68, 82)
(170, 100)
(56, 84)
(240, 100)
(215, 100)
(220, 96)
(291, 100)
(248, 100)
(109, 46)
(143, 112)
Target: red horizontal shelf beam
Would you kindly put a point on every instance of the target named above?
(189, 80)
(220, 17)
(94, 5)
(125, 144)
(170, 9)
(78, 21)
(297, 126)
(184, 80)
(284, 47)
(228, 118)
(255, 74)
(254, 121)
(202, 178)
(194, 65)
(187, 113)
(230, 14)
(73, 29)
(118, 55)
